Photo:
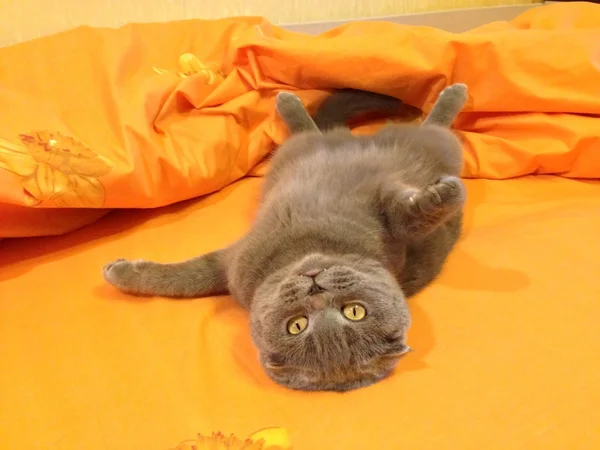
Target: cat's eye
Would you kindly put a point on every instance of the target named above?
(354, 311)
(297, 325)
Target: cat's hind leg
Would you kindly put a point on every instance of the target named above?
(291, 109)
(414, 213)
(198, 277)
(447, 106)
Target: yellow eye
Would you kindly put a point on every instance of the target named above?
(297, 325)
(354, 311)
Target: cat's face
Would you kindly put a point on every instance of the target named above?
(329, 323)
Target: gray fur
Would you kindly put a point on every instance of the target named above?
(290, 108)
(368, 219)
(450, 102)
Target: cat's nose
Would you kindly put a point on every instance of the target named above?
(313, 273)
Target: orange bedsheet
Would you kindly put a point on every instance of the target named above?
(506, 342)
(95, 119)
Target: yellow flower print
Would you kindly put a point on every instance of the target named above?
(190, 64)
(267, 439)
(56, 168)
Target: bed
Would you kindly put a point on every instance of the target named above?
(505, 341)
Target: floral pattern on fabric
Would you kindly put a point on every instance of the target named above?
(56, 169)
(190, 64)
(266, 439)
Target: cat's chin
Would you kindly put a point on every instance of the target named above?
(312, 263)
(315, 262)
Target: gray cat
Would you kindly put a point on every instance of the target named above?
(348, 228)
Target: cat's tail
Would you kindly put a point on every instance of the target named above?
(348, 104)
(447, 106)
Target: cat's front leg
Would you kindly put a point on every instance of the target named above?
(414, 213)
(197, 277)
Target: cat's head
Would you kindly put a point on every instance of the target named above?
(330, 323)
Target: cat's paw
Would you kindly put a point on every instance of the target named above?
(415, 212)
(288, 103)
(446, 195)
(455, 94)
(125, 275)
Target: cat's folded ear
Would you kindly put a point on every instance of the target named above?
(275, 362)
(397, 348)
(401, 351)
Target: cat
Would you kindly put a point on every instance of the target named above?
(348, 227)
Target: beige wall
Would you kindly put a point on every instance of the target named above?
(26, 19)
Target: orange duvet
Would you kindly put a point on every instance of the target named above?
(506, 342)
